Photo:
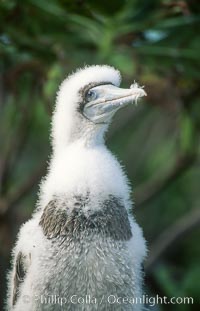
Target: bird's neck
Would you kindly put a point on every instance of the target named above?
(91, 137)
(82, 132)
(80, 169)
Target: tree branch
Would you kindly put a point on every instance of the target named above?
(171, 236)
(11, 199)
(147, 192)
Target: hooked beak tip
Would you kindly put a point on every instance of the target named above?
(145, 94)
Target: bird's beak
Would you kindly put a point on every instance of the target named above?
(107, 99)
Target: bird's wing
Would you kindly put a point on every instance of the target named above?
(19, 275)
(111, 220)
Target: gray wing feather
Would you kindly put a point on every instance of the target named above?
(20, 273)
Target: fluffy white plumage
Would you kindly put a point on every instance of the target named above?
(81, 167)
(66, 123)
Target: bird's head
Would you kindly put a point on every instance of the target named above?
(86, 103)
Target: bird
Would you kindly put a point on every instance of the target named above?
(82, 249)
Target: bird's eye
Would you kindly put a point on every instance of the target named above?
(91, 95)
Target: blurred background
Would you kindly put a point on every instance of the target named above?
(156, 43)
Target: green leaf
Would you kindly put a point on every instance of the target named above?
(187, 133)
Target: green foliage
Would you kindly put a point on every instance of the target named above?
(155, 42)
